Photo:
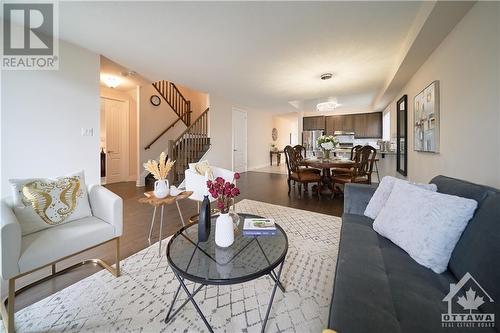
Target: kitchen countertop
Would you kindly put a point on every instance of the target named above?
(348, 150)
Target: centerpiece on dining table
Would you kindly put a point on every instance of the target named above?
(224, 193)
(327, 143)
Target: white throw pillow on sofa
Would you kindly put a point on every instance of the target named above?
(50, 202)
(383, 192)
(427, 225)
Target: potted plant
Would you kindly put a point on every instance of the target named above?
(327, 143)
(224, 193)
(160, 171)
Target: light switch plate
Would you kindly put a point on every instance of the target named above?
(87, 131)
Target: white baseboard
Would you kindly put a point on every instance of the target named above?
(141, 180)
(257, 167)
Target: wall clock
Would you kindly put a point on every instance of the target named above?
(155, 100)
(275, 134)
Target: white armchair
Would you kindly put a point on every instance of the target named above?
(198, 183)
(22, 255)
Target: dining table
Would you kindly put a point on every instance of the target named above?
(326, 165)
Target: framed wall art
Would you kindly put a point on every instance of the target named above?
(426, 120)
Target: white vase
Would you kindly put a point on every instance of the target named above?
(161, 189)
(224, 232)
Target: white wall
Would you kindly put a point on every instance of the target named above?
(199, 100)
(220, 132)
(42, 116)
(286, 126)
(260, 126)
(466, 64)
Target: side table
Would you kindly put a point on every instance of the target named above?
(278, 156)
(156, 202)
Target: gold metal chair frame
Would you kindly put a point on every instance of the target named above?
(7, 304)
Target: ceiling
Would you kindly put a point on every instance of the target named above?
(127, 78)
(261, 55)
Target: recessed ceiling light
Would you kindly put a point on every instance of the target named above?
(326, 76)
(111, 81)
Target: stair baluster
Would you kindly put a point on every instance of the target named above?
(190, 146)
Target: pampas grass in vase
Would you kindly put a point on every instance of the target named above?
(160, 171)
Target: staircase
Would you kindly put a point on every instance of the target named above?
(189, 147)
(193, 143)
(174, 98)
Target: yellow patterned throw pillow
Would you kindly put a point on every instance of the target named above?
(46, 203)
(53, 201)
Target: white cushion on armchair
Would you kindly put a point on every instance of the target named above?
(19, 254)
(198, 183)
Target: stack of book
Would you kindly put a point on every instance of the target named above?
(259, 227)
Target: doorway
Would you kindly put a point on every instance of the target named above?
(239, 140)
(114, 136)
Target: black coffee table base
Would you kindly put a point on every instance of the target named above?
(275, 277)
(248, 259)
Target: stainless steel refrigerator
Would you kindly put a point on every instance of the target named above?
(309, 141)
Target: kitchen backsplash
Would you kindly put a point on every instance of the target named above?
(370, 141)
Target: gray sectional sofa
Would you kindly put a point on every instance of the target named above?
(379, 288)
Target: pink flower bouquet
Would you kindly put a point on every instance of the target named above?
(224, 192)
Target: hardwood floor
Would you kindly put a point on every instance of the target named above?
(266, 187)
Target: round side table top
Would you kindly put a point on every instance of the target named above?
(154, 201)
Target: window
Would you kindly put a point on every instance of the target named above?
(386, 125)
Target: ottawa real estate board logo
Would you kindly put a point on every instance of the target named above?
(468, 305)
(30, 36)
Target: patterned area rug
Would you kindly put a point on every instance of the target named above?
(137, 301)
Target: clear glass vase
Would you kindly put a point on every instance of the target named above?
(326, 154)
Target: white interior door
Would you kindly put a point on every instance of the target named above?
(239, 140)
(116, 139)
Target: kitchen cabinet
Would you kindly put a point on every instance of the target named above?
(364, 125)
(348, 123)
(373, 125)
(360, 125)
(332, 124)
(313, 123)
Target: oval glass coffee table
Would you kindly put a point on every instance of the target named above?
(204, 263)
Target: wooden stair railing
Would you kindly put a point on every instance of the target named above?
(174, 98)
(190, 146)
(161, 134)
(178, 103)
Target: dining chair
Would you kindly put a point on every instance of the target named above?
(301, 150)
(362, 171)
(301, 154)
(354, 150)
(297, 173)
(352, 157)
